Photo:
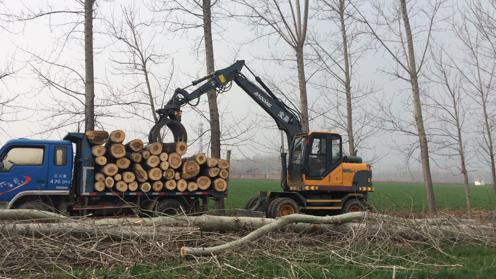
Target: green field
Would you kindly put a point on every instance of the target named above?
(388, 196)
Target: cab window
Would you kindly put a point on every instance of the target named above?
(296, 166)
(317, 157)
(60, 156)
(23, 156)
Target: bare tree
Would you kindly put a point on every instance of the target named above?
(399, 43)
(287, 20)
(449, 109)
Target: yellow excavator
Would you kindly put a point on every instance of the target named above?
(317, 179)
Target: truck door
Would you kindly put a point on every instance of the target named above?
(22, 168)
(60, 167)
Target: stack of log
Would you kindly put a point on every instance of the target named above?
(155, 167)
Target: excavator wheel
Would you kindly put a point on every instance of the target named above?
(281, 207)
(354, 205)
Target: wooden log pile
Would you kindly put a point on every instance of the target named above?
(155, 167)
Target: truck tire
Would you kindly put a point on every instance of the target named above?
(354, 205)
(251, 203)
(169, 207)
(37, 205)
(281, 207)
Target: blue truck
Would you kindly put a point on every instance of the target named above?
(58, 175)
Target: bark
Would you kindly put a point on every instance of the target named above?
(347, 80)
(212, 96)
(489, 139)
(424, 149)
(302, 83)
(89, 83)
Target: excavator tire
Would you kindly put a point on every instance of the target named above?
(251, 203)
(281, 207)
(354, 205)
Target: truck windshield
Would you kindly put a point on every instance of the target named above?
(25, 156)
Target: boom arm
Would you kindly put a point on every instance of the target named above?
(286, 118)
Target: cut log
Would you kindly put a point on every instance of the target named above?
(164, 165)
(117, 136)
(99, 186)
(152, 161)
(117, 150)
(135, 157)
(211, 172)
(212, 162)
(220, 185)
(203, 182)
(140, 172)
(99, 176)
(154, 148)
(155, 174)
(157, 186)
(174, 160)
(101, 160)
(190, 169)
(98, 150)
(123, 163)
(179, 147)
(170, 185)
(109, 182)
(223, 164)
(118, 177)
(97, 137)
(224, 174)
(164, 156)
(145, 154)
(145, 187)
(132, 186)
(169, 174)
(182, 185)
(110, 169)
(177, 175)
(136, 145)
(192, 186)
(128, 177)
(199, 158)
(121, 186)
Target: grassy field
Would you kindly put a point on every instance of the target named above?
(387, 197)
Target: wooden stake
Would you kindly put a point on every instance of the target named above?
(117, 150)
(99, 186)
(97, 137)
(135, 157)
(170, 185)
(132, 186)
(203, 182)
(109, 182)
(152, 161)
(164, 165)
(192, 186)
(223, 164)
(145, 187)
(224, 174)
(154, 148)
(123, 163)
(140, 172)
(136, 145)
(155, 174)
(110, 169)
(118, 177)
(121, 186)
(157, 186)
(212, 162)
(220, 185)
(101, 160)
(164, 156)
(182, 185)
(190, 169)
(99, 176)
(174, 160)
(169, 174)
(98, 150)
(128, 177)
(117, 136)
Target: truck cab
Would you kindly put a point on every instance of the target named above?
(32, 170)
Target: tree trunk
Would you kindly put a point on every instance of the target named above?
(212, 97)
(89, 83)
(302, 83)
(489, 140)
(424, 150)
(347, 80)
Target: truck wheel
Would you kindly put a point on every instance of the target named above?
(281, 207)
(354, 205)
(251, 203)
(37, 205)
(169, 207)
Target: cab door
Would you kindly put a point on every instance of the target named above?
(60, 167)
(23, 168)
(296, 162)
(323, 155)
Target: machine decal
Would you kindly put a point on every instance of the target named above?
(14, 184)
